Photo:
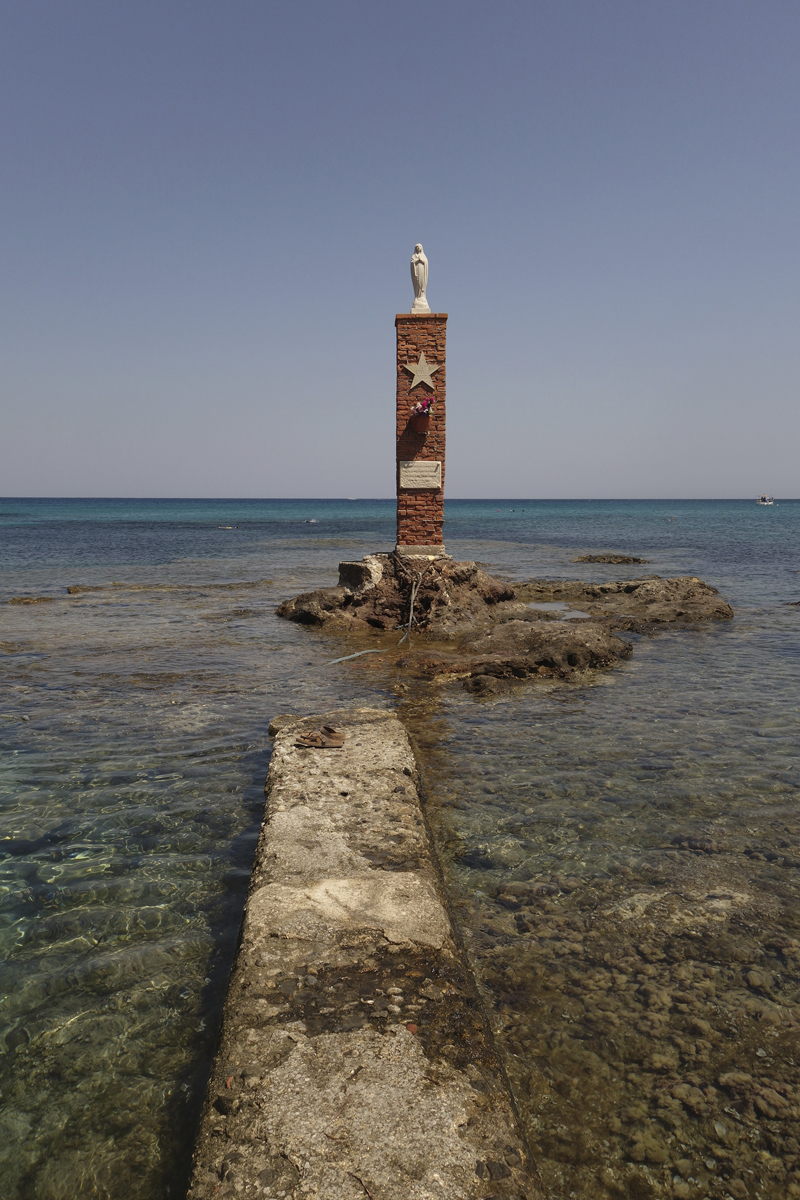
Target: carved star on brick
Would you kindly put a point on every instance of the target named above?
(422, 371)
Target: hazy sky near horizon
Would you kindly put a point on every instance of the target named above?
(207, 212)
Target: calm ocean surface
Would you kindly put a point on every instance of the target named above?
(623, 855)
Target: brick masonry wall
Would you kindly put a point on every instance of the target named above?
(420, 512)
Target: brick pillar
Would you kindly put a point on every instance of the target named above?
(420, 510)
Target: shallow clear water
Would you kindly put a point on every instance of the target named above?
(623, 854)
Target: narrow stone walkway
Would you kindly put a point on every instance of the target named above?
(354, 1060)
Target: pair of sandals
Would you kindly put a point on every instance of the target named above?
(326, 738)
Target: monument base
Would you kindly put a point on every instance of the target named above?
(421, 551)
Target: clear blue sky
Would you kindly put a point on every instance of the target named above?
(207, 212)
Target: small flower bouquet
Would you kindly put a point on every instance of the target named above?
(421, 415)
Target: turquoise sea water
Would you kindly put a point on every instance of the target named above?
(626, 974)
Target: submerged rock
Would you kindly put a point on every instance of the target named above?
(518, 649)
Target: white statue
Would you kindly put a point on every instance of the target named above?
(419, 277)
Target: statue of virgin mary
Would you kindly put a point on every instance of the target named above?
(419, 277)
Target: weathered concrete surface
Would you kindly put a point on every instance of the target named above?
(354, 1058)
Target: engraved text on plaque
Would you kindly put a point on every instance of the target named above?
(420, 473)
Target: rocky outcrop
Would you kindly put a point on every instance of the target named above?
(489, 633)
(635, 604)
(377, 592)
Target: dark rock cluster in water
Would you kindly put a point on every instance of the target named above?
(616, 559)
(489, 633)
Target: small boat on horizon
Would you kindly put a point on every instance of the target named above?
(765, 500)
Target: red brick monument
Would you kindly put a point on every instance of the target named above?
(421, 390)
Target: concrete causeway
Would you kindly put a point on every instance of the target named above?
(354, 1059)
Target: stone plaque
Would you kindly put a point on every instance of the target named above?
(420, 473)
